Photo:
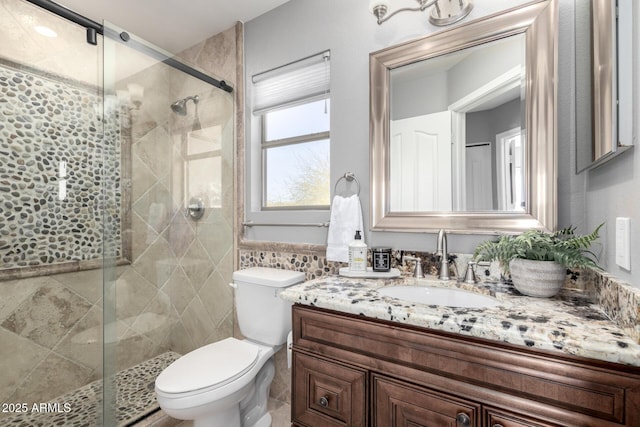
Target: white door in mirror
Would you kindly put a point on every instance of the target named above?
(420, 163)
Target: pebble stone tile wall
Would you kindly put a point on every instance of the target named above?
(45, 122)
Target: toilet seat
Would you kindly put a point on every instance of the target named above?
(208, 368)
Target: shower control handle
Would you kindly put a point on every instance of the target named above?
(195, 208)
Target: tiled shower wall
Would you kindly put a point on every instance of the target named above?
(174, 295)
(49, 325)
(181, 268)
(46, 124)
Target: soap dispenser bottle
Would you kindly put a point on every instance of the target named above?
(357, 254)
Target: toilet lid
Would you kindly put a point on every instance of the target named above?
(208, 367)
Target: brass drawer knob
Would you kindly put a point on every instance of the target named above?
(324, 401)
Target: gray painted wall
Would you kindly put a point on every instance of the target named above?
(483, 126)
(419, 97)
(487, 63)
(435, 91)
(303, 27)
(613, 189)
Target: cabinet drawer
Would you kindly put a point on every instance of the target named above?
(400, 404)
(327, 394)
(499, 418)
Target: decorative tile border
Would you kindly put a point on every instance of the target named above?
(309, 259)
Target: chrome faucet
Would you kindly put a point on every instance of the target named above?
(441, 252)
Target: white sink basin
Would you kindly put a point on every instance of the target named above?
(439, 296)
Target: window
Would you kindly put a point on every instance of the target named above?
(294, 106)
(295, 156)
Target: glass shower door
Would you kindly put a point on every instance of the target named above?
(168, 214)
(50, 232)
(116, 219)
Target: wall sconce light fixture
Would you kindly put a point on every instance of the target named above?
(444, 12)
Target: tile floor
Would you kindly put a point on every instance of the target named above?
(280, 414)
(136, 402)
(135, 399)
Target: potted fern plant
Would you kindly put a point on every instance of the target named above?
(537, 260)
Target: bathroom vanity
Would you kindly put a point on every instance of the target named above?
(362, 359)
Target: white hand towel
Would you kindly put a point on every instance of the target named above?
(346, 218)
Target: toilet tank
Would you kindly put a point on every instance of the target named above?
(262, 315)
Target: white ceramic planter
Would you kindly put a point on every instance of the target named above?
(537, 278)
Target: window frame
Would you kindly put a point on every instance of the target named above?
(282, 142)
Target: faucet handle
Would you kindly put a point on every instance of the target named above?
(417, 271)
(470, 274)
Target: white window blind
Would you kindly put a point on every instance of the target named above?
(291, 84)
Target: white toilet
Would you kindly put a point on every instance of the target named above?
(226, 384)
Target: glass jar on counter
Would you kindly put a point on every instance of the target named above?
(381, 259)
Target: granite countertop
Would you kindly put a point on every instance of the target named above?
(567, 323)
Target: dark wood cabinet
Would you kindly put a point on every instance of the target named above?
(498, 418)
(356, 371)
(328, 393)
(397, 404)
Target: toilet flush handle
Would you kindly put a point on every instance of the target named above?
(233, 285)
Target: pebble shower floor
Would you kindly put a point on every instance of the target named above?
(135, 399)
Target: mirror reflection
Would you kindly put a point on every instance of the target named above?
(457, 131)
(523, 174)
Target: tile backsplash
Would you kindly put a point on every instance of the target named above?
(619, 300)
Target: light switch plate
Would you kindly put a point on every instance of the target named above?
(623, 244)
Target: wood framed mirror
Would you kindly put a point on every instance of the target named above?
(419, 196)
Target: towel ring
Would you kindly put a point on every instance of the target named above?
(349, 177)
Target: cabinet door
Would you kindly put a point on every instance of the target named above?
(499, 418)
(327, 394)
(397, 404)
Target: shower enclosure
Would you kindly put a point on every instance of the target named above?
(116, 217)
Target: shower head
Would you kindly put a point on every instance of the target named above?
(180, 107)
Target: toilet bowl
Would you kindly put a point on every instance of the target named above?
(208, 384)
(227, 383)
